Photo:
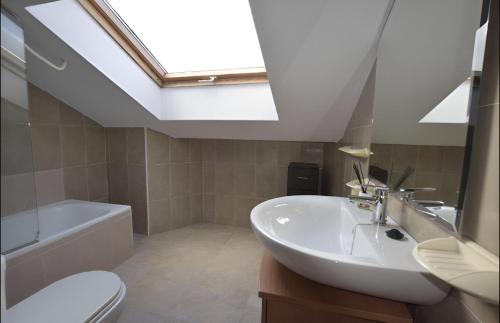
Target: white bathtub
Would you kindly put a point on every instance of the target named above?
(55, 221)
(73, 236)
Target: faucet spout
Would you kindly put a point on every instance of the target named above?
(379, 215)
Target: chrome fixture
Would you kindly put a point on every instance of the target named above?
(408, 194)
(379, 215)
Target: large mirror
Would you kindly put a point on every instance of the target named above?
(423, 117)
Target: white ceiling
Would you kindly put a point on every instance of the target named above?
(425, 53)
(318, 55)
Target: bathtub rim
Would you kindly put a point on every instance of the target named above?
(115, 210)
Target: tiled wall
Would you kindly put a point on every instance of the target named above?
(68, 151)
(18, 181)
(239, 174)
(435, 166)
(127, 172)
(174, 181)
(338, 165)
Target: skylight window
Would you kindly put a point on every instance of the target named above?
(194, 35)
(185, 42)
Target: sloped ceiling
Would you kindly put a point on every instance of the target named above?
(318, 55)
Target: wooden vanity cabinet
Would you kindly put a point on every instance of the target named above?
(291, 298)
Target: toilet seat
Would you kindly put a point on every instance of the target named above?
(83, 297)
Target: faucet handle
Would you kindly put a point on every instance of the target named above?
(381, 190)
(418, 189)
(407, 193)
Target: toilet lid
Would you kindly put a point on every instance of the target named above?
(76, 298)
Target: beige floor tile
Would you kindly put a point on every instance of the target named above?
(200, 273)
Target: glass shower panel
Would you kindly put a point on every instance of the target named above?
(19, 219)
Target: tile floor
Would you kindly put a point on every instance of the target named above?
(201, 273)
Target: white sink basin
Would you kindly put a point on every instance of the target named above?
(331, 241)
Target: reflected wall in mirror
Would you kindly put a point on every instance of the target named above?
(428, 90)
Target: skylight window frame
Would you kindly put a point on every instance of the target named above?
(110, 21)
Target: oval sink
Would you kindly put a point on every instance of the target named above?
(331, 241)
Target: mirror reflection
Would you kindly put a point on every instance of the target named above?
(419, 148)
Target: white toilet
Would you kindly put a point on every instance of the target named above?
(94, 296)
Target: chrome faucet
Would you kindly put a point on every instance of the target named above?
(408, 194)
(379, 215)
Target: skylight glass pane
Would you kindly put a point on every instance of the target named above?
(194, 35)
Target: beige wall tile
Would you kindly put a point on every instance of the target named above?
(95, 145)
(16, 149)
(18, 193)
(489, 78)
(266, 152)
(429, 159)
(56, 269)
(311, 152)
(196, 208)
(453, 159)
(95, 250)
(118, 183)
(242, 208)
(179, 174)
(49, 186)
(180, 208)
(289, 151)
(208, 150)
(224, 178)
(483, 311)
(224, 209)
(395, 176)
(117, 145)
(208, 212)
(480, 216)
(122, 241)
(265, 179)
(158, 147)
(23, 279)
(158, 182)
(137, 182)
(159, 216)
(244, 151)
(195, 150)
(44, 108)
(224, 151)
(97, 179)
(13, 114)
(69, 116)
(281, 181)
(244, 180)
(46, 147)
(208, 178)
(136, 151)
(382, 156)
(72, 146)
(139, 216)
(406, 156)
(195, 178)
(449, 310)
(179, 150)
(450, 187)
(75, 183)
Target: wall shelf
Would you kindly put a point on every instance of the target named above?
(356, 152)
(464, 265)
